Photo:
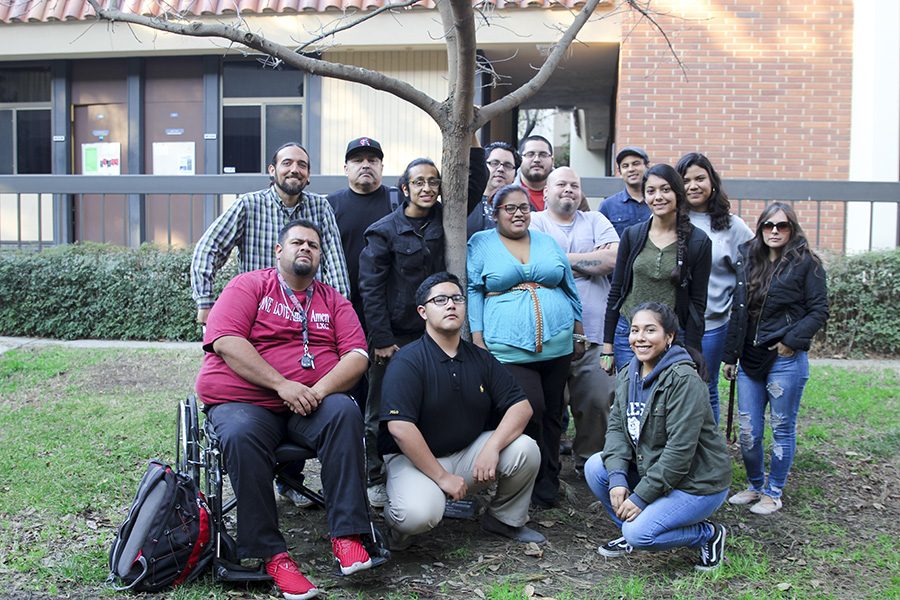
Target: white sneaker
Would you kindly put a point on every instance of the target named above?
(292, 495)
(377, 494)
(745, 497)
(766, 505)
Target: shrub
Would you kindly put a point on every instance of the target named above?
(100, 291)
(864, 301)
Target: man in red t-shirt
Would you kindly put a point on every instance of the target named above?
(282, 349)
(537, 162)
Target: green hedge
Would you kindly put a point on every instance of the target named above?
(109, 292)
(864, 304)
(100, 291)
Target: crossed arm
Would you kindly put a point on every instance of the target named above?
(240, 355)
(601, 261)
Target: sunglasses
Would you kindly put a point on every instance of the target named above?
(769, 226)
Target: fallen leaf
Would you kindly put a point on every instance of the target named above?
(532, 549)
(493, 568)
(547, 524)
(815, 582)
(784, 586)
(528, 590)
(478, 593)
(878, 506)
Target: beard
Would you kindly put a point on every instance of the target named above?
(535, 176)
(291, 189)
(302, 269)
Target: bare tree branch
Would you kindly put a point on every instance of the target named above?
(314, 66)
(354, 22)
(463, 93)
(646, 13)
(529, 89)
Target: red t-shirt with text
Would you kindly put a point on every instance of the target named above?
(253, 306)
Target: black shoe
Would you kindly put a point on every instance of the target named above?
(565, 447)
(615, 548)
(713, 551)
(520, 534)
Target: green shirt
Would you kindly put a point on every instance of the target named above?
(650, 283)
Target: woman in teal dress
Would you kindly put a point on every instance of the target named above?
(524, 308)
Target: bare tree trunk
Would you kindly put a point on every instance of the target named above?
(455, 161)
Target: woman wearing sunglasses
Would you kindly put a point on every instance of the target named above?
(710, 210)
(779, 304)
(524, 308)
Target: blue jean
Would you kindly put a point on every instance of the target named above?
(713, 349)
(621, 347)
(781, 391)
(671, 521)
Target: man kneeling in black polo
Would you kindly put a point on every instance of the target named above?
(451, 421)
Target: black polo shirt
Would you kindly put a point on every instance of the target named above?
(451, 400)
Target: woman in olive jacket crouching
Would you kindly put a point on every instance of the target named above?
(665, 468)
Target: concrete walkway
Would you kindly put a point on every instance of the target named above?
(11, 343)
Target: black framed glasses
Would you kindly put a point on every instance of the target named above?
(769, 226)
(432, 182)
(496, 164)
(511, 209)
(442, 299)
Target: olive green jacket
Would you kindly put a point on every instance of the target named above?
(679, 445)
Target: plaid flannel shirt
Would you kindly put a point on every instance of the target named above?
(252, 224)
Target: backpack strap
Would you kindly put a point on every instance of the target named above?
(395, 198)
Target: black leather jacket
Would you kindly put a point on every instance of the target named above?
(690, 296)
(794, 309)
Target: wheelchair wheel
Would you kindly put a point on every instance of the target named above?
(187, 447)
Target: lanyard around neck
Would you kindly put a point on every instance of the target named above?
(307, 360)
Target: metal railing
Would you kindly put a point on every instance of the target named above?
(44, 210)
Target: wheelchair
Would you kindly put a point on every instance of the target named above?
(198, 455)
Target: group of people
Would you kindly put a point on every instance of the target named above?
(624, 315)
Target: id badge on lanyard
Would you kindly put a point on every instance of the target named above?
(307, 360)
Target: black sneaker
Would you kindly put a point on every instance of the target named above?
(615, 548)
(713, 551)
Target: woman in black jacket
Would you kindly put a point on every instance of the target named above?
(665, 260)
(780, 303)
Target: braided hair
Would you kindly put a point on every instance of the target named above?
(683, 227)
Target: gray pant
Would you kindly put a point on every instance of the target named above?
(374, 463)
(591, 392)
(417, 503)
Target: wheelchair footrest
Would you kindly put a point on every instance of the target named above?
(228, 571)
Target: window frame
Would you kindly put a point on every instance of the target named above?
(15, 107)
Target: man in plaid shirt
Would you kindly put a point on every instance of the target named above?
(252, 224)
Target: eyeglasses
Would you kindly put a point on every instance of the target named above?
(432, 182)
(441, 300)
(511, 209)
(768, 226)
(496, 164)
(541, 155)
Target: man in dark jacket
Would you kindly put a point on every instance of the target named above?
(401, 250)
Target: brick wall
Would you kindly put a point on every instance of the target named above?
(767, 94)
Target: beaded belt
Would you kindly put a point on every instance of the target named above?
(530, 287)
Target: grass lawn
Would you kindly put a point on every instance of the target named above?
(77, 426)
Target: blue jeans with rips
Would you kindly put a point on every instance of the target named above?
(781, 392)
(713, 349)
(671, 521)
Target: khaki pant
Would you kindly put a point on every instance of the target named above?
(416, 503)
(591, 392)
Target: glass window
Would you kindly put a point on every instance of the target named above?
(241, 139)
(6, 142)
(253, 79)
(33, 141)
(284, 123)
(24, 84)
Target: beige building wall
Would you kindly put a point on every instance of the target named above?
(351, 110)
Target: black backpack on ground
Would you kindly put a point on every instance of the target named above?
(165, 540)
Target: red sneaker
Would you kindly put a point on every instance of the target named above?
(289, 579)
(350, 554)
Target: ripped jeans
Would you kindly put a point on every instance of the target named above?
(781, 391)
